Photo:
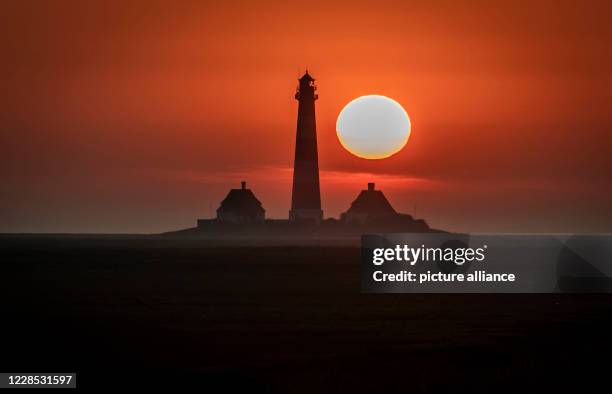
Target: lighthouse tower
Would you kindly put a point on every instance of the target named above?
(306, 194)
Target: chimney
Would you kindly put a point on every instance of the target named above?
(371, 186)
(243, 185)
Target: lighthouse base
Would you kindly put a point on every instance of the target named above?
(306, 215)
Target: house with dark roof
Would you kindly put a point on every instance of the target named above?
(241, 206)
(369, 204)
(241, 213)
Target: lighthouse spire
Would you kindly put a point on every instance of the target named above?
(306, 194)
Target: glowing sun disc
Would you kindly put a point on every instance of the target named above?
(373, 127)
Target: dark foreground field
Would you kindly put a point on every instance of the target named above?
(165, 312)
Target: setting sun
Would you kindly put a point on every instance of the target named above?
(373, 127)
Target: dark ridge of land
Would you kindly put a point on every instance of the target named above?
(171, 312)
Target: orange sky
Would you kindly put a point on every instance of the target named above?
(138, 116)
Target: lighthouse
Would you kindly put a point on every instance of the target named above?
(306, 194)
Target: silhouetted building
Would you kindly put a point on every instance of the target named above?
(241, 213)
(370, 204)
(241, 206)
(306, 195)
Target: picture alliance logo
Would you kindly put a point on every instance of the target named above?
(411, 255)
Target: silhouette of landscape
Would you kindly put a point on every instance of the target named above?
(244, 302)
(181, 212)
(242, 214)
